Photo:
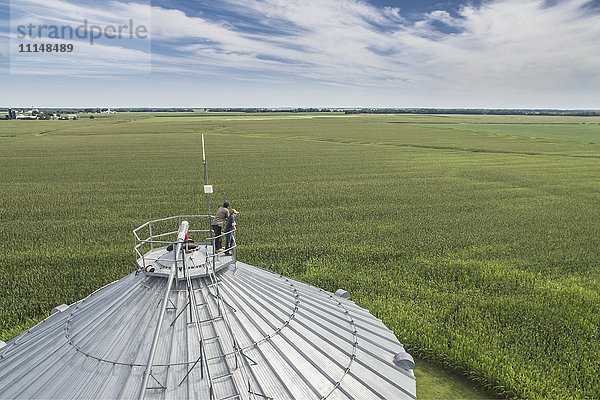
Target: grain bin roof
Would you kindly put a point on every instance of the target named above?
(264, 336)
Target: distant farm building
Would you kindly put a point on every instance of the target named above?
(11, 114)
(26, 116)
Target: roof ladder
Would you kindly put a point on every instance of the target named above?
(183, 228)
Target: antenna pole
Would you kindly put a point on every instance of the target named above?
(206, 183)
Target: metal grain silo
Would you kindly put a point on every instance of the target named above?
(193, 324)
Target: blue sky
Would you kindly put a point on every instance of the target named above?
(313, 53)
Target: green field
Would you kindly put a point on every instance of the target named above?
(474, 238)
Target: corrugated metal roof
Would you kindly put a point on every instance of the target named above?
(264, 335)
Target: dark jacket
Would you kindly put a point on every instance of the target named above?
(230, 222)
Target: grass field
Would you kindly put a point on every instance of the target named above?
(474, 238)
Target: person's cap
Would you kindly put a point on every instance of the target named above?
(234, 211)
(226, 204)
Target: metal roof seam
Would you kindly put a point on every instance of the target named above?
(33, 335)
(41, 362)
(53, 383)
(45, 320)
(357, 307)
(293, 365)
(275, 331)
(106, 305)
(134, 340)
(113, 308)
(308, 359)
(274, 282)
(384, 378)
(343, 368)
(256, 346)
(391, 367)
(271, 295)
(261, 315)
(322, 314)
(294, 301)
(355, 345)
(92, 334)
(273, 286)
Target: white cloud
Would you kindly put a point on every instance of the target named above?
(500, 43)
(512, 42)
(322, 40)
(64, 11)
(84, 60)
(4, 44)
(106, 56)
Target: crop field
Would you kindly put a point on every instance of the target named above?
(474, 238)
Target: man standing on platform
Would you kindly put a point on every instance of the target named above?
(218, 223)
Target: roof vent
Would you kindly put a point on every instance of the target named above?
(58, 309)
(404, 360)
(342, 293)
(2, 344)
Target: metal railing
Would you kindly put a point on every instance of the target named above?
(162, 232)
(229, 250)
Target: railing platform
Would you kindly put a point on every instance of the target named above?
(156, 242)
(159, 261)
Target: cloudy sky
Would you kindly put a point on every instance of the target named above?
(309, 53)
